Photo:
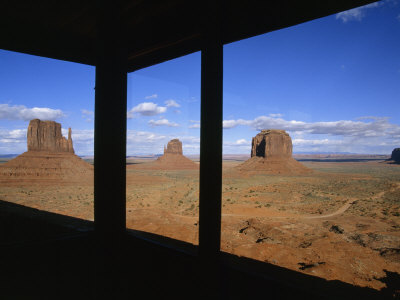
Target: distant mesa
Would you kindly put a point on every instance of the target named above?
(173, 147)
(271, 152)
(50, 158)
(173, 158)
(395, 155)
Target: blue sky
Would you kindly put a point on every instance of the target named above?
(332, 83)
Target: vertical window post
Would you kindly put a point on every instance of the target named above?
(109, 145)
(211, 148)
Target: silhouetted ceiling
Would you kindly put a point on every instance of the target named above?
(156, 30)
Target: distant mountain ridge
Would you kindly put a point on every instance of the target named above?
(8, 155)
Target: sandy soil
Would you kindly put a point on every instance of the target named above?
(340, 222)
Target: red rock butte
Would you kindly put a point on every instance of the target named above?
(271, 153)
(173, 147)
(46, 136)
(173, 159)
(50, 158)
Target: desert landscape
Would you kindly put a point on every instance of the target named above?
(332, 216)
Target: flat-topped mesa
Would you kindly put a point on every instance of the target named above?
(174, 147)
(272, 143)
(46, 136)
(271, 153)
(173, 158)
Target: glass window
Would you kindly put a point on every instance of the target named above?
(310, 121)
(46, 136)
(163, 144)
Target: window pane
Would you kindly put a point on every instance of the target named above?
(328, 90)
(46, 137)
(163, 149)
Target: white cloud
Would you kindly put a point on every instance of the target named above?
(330, 144)
(374, 145)
(171, 103)
(147, 109)
(238, 143)
(379, 126)
(275, 115)
(21, 112)
(154, 96)
(190, 140)
(83, 140)
(304, 142)
(87, 112)
(195, 124)
(143, 136)
(144, 142)
(12, 136)
(162, 122)
(357, 13)
(80, 135)
(242, 142)
(366, 134)
(88, 115)
(12, 141)
(227, 124)
(241, 146)
(352, 14)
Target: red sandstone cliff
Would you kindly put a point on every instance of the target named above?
(46, 136)
(174, 146)
(271, 153)
(50, 159)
